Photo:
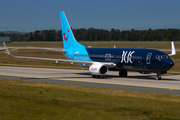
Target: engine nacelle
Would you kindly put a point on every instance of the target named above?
(98, 69)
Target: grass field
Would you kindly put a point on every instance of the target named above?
(37, 101)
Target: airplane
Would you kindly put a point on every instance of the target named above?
(101, 60)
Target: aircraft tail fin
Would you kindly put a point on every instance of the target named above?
(67, 34)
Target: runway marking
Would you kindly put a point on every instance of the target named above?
(116, 83)
(31, 71)
(95, 82)
(21, 76)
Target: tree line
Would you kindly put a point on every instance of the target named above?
(92, 34)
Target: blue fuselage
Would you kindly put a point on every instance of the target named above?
(136, 59)
(132, 59)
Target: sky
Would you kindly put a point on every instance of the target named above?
(31, 15)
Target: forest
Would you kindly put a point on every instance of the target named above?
(92, 34)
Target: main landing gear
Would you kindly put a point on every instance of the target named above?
(123, 73)
(158, 76)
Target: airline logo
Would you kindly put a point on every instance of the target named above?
(126, 57)
(65, 38)
(93, 69)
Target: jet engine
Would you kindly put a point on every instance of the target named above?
(98, 69)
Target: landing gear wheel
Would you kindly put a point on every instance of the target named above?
(122, 73)
(93, 76)
(158, 77)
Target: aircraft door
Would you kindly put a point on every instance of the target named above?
(148, 58)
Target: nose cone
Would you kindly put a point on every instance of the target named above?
(168, 64)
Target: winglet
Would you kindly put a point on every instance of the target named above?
(173, 50)
(7, 50)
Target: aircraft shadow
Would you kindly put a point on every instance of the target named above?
(148, 77)
(88, 75)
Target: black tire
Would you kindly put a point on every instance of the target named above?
(93, 76)
(125, 73)
(158, 78)
(122, 73)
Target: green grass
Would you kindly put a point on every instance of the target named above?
(30, 100)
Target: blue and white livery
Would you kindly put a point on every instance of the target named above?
(101, 60)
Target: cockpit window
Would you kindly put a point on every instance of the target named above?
(161, 57)
(157, 56)
(164, 56)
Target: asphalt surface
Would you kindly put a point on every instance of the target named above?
(170, 83)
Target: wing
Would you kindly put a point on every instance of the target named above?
(87, 63)
(53, 49)
(46, 49)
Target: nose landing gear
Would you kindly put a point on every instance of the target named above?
(158, 76)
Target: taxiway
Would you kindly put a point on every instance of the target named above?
(170, 83)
